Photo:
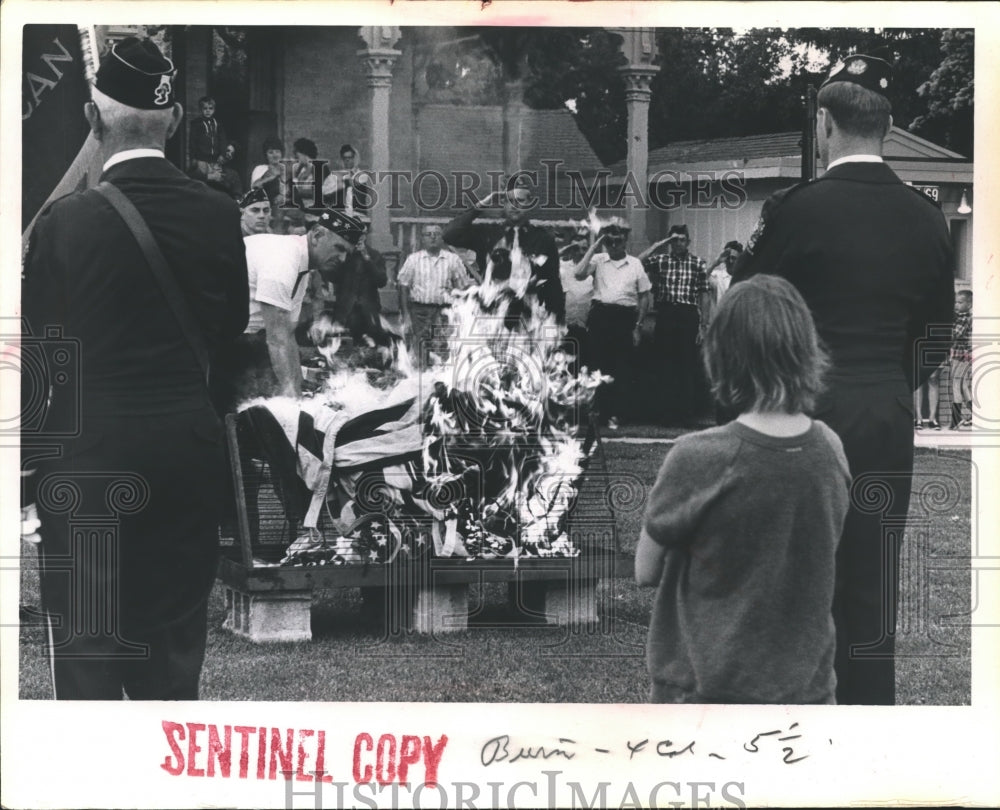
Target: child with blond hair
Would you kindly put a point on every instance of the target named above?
(742, 526)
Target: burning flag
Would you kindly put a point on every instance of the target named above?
(480, 456)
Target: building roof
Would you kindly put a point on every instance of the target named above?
(471, 138)
(779, 154)
(749, 147)
(553, 134)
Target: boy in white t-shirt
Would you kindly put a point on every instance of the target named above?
(720, 272)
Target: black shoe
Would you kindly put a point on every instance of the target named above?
(933, 424)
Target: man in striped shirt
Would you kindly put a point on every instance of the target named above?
(426, 281)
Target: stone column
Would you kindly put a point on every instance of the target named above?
(639, 48)
(379, 58)
(512, 114)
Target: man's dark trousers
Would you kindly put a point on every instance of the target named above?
(676, 341)
(874, 421)
(114, 570)
(610, 328)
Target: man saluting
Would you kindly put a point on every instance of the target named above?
(873, 259)
(126, 605)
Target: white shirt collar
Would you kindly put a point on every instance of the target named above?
(621, 261)
(131, 154)
(855, 159)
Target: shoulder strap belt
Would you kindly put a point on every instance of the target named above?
(161, 271)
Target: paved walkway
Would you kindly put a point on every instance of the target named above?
(947, 438)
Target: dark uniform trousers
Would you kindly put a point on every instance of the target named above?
(610, 327)
(874, 421)
(676, 339)
(126, 591)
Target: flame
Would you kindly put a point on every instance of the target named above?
(329, 348)
(594, 222)
(518, 400)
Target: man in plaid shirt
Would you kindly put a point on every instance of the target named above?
(681, 296)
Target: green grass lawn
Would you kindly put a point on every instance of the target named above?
(349, 660)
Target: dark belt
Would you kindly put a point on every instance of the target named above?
(602, 305)
(674, 304)
(422, 304)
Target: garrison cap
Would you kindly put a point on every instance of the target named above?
(344, 225)
(870, 72)
(137, 75)
(254, 195)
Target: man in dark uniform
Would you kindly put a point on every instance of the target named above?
(129, 506)
(485, 239)
(873, 259)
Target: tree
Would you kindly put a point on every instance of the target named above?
(713, 82)
(913, 53)
(949, 94)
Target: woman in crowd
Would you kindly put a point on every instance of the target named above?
(268, 175)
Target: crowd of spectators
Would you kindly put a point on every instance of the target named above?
(638, 318)
(641, 319)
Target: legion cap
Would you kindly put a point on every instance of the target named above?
(254, 195)
(871, 72)
(136, 74)
(344, 225)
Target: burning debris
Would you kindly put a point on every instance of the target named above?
(479, 456)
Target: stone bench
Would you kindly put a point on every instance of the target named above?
(274, 604)
(269, 603)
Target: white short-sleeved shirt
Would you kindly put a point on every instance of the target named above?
(278, 272)
(719, 280)
(619, 281)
